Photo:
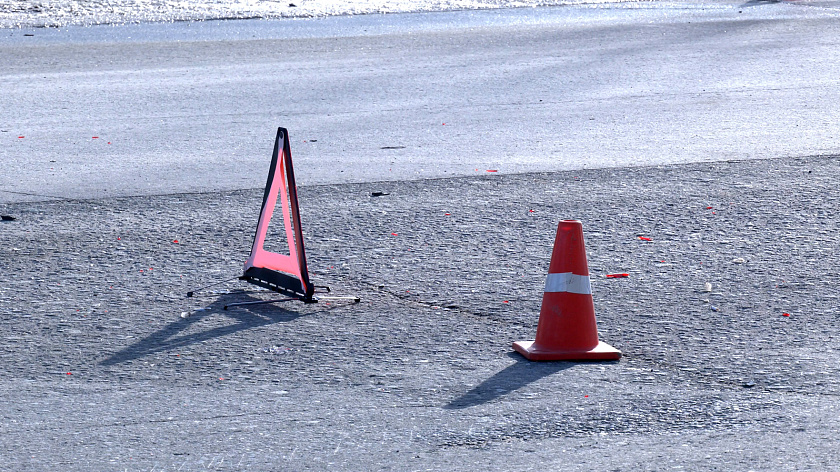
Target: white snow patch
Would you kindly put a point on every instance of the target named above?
(27, 14)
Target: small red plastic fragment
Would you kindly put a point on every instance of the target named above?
(94, 137)
(492, 170)
(586, 396)
(617, 276)
(709, 208)
(394, 234)
(175, 241)
(446, 214)
(786, 315)
(644, 238)
(530, 211)
(69, 373)
(505, 301)
(21, 137)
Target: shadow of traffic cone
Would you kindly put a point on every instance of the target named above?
(567, 330)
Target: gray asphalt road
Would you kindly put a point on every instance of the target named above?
(107, 366)
(100, 371)
(151, 109)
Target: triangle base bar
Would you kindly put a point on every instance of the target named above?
(277, 282)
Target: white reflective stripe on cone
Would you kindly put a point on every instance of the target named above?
(568, 282)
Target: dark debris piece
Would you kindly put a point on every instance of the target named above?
(7, 218)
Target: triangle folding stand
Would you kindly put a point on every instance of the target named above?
(285, 274)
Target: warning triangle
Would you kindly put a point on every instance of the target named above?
(284, 273)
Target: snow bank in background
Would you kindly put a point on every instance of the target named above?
(18, 13)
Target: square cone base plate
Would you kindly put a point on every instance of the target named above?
(533, 352)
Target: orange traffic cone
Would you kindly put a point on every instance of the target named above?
(566, 330)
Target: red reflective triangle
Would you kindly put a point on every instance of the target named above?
(281, 185)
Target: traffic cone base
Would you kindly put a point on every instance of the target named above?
(534, 352)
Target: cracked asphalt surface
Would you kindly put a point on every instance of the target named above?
(108, 366)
